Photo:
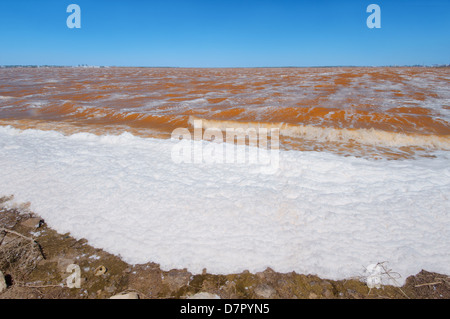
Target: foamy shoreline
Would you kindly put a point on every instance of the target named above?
(319, 213)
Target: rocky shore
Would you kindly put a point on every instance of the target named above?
(35, 259)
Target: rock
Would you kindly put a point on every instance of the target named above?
(264, 291)
(129, 295)
(312, 296)
(203, 295)
(145, 279)
(329, 294)
(175, 279)
(100, 270)
(268, 275)
(353, 293)
(127, 270)
(110, 289)
(34, 222)
(3, 285)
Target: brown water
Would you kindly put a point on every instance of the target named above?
(374, 112)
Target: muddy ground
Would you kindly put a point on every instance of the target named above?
(36, 269)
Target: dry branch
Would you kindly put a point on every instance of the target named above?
(2, 229)
(429, 284)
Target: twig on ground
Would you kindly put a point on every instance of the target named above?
(2, 229)
(429, 284)
(388, 273)
(136, 291)
(41, 286)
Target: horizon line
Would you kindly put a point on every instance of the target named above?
(215, 67)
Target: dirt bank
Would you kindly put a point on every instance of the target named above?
(34, 260)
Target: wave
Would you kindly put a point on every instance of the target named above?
(329, 134)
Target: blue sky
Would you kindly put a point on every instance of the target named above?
(227, 33)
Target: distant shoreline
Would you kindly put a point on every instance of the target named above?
(225, 67)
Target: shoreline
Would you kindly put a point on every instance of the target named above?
(44, 275)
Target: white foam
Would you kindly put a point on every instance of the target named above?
(319, 213)
(316, 133)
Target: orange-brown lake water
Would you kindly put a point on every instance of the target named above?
(375, 112)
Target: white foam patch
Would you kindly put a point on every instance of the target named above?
(318, 214)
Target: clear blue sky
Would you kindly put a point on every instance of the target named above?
(226, 33)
